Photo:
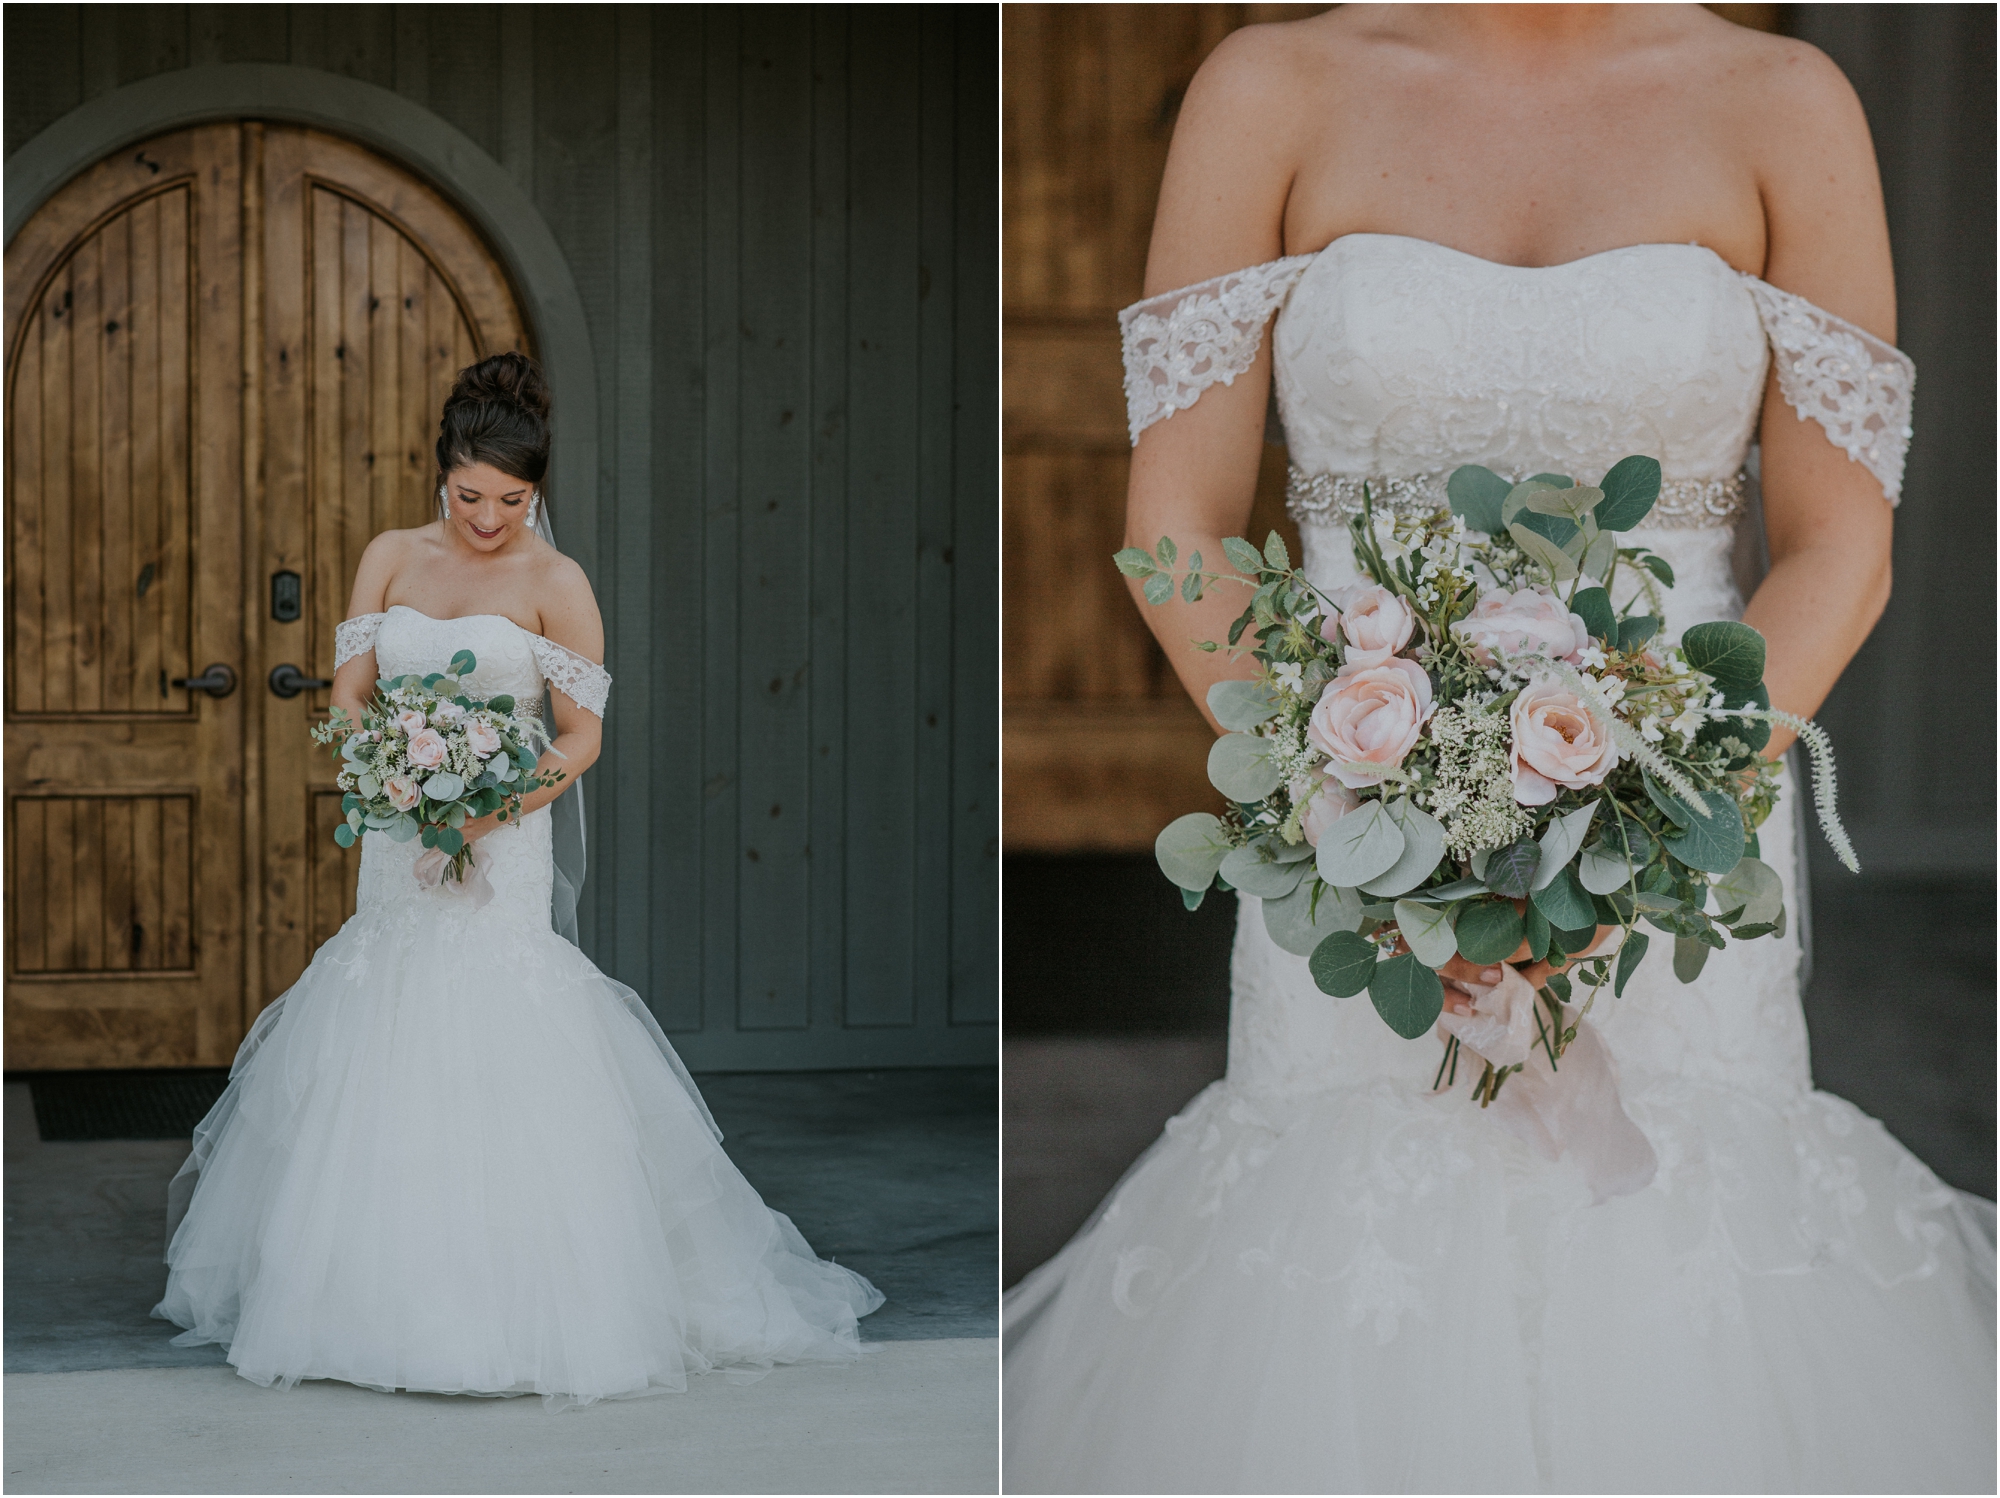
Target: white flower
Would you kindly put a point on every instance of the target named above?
(1590, 656)
(1288, 674)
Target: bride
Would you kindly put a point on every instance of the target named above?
(1535, 238)
(456, 1157)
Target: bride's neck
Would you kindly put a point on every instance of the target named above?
(1544, 31)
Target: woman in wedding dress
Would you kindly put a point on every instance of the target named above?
(455, 1156)
(1537, 238)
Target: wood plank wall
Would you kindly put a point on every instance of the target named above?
(782, 222)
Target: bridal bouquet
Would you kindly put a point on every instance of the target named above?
(1477, 753)
(427, 757)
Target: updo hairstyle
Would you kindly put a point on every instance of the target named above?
(497, 414)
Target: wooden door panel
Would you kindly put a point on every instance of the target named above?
(124, 506)
(376, 293)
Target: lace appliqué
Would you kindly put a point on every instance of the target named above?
(352, 637)
(1181, 342)
(584, 682)
(1848, 380)
(1330, 498)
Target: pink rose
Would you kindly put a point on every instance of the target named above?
(427, 749)
(1532, 620)
(1558, 741)
(411, 721)
(483, 737)
(1330, 802)
(1376, 623)
(402, 792)
(1370, 715)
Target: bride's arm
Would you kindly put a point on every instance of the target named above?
(569, 618)
(354, 682)
(1824, 516)
(1222, 208)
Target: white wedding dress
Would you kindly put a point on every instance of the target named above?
(456, 1157)
(1323, 1278)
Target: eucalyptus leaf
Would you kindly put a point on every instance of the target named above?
(1629, 957)
(1427, 930)
(1239, 704)
(1553, 480)
(1249, 870)
(1423, 846)
(1756, 887)
(1536, 932)
(1572, 503)
(1359, 846)
(1678, 811)
(344, 835)
(1564, 903)
(1407, 995)
(1489, 931)
(1714, 845)
(1298, 928)
(1515, 503)
(1458, 889)
(1540, 549)
(1633, 633)
(404, 830)
(464, 663)
(369, 786)
(381, 821)
(1190, 849)
(1689, 957)
(1343, 964)
(444, 786)
(1599, 557)
(1593, 607)
(1240, 767)
(1630, 489)
(1477, 494)
(1732, 653)
(1559, 842)
(1659, 567)
(1479, 865)
(450, 839)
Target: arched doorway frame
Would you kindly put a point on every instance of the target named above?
(476, 184)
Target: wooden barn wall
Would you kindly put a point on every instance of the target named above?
(782, 222)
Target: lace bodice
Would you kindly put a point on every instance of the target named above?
(1395, 357)
(511, 659)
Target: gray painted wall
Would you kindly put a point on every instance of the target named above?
(1925, 76)
(782, 224)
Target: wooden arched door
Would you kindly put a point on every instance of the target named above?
(226, 352)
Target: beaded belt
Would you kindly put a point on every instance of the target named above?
(1329, 498)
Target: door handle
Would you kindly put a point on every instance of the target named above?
(218, 681)
(288, 681)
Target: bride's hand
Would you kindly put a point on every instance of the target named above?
(1460, 976)
(480, 826)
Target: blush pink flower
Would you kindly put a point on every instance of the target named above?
(402, 792)
(1330, 801)
(427, 749)
(1370, 715)
(483, 737)
(446, 713)
(1374, 622)
(1529, 621)
(411, 721)
(1559, 741)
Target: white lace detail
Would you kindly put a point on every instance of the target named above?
(1179, 343)
(584, 682)
(352, 637)
(1845, 378)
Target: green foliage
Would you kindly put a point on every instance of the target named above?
(1252, 870)
(1712, 845)
(1427, 931)
(1630, 490)
(1242, 555)
(1190, 849)
(1360, 846)
(1510, 870)
(1159, 587)
(1563, 901)
(344, 835)
(1343, 964)
(1134, 561)
(1407, 995)
(1309, 915)
(464, 663)
(1276, 554)
(1732, 653)
(1476, 494)
(1689, 957)
(1423, 846)
(1633, 633)
(1630, 955)
(1489, 931)
(1536, 932)
(1559, 842)
(1593, 607)
(1241, 705)
(1240, 766)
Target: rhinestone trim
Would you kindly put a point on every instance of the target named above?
(1330, 498)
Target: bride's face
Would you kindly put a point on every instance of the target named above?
(488, 508)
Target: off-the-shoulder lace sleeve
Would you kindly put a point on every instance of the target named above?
(1179, 343)
(1845, 378)
(584, 682)
(352, 637)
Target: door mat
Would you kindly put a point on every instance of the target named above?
(76, 1105)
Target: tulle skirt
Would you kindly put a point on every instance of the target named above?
(1369, 1289)
(456, 1157)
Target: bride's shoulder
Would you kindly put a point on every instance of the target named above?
(383, 560)
(566, 604)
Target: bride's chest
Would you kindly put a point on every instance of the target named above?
(409, 642)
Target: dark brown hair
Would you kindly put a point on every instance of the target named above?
(497, 413)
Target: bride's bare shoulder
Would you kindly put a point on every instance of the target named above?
(385, 559)
(566, 604)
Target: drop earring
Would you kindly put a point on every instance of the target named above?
(534, 503)
(444, 505)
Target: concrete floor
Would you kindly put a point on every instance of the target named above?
(892, 1173)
